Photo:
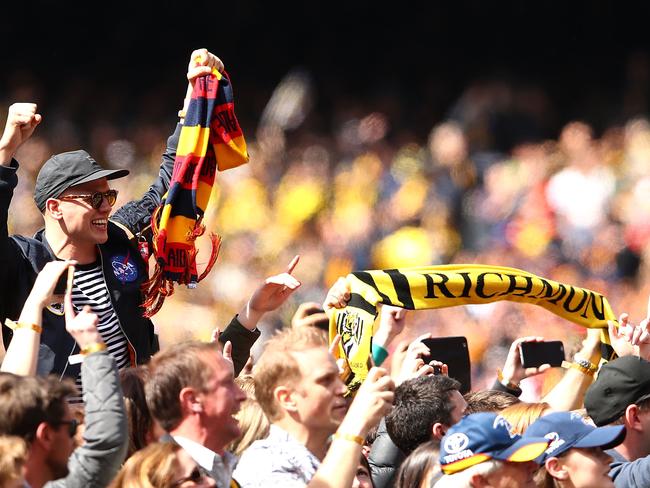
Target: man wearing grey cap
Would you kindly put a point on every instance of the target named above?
(74, 194)
(621, 396)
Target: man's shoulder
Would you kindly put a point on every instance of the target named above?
(629, 473)
(33, 250)
(277, 456)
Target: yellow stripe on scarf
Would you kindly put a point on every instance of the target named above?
(444, 286)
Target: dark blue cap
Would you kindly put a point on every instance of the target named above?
(566, 430)
(482, 436)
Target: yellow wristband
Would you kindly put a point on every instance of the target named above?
(579, 367)
(22, 325)
(349, 437)
(95, 347)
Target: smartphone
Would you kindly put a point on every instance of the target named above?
(534, 354)
(64, 282)
(452, 351)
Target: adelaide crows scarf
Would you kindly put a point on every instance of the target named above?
(210, 139)
(448, 286)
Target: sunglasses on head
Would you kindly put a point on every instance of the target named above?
(95, 199)
(195, 477)
(72, 426)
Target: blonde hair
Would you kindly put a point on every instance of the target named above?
(521, 415)
(277, 366)
(152, 467)
(253, 423)
(13, 454)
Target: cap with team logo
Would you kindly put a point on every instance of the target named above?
(482, 436)
(566, 430)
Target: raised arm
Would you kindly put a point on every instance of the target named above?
(22, 353)
(98, 460)
(22, 119)
(372, 401)
(136, 215)
(242, 331)
(569, 392)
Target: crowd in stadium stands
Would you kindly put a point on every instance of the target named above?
(94, 394)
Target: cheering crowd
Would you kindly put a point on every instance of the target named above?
(93, 394)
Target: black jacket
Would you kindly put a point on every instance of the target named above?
(385, 458)
(21, 258)
(123, 267)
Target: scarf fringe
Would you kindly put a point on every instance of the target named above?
(157, 288)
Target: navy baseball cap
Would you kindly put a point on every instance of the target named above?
(483, 436)
(566, 430)
(64, 170)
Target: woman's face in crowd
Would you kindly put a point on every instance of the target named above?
(588, 468)
(362, 478)
(187, 473)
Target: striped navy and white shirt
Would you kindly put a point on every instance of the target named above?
(89, 288)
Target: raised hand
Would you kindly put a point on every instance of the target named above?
(513, 371)
(22, 119)
(46, 280)
(82, 326)
(338, 295)
(201, 63)
(373, 400)
(270, 295)
(391, 324)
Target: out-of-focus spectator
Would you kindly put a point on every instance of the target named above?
(253, 423)
(13, 454)
(161, 465)
(421, 467)
(522, 414)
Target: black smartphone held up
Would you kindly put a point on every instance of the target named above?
(64, 281)
(534, 354)
(454, 352)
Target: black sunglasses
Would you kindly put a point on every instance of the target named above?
(95, 199)
(72, 424)
(195, 476)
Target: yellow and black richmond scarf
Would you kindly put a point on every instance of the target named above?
(449, 286)
(210, 139)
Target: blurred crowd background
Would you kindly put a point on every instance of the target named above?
(377, 140)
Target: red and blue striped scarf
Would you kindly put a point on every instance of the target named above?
(210, 139)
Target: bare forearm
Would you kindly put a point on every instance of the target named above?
(339, 466)
(22, 354)
(569, 392)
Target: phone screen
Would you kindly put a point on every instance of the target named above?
(534, 354)
(454, 352)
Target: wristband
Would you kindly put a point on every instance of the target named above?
(379, 354)
(582, 365)
(94, 347)
(349, 437)
(23, 325)
(509, 384)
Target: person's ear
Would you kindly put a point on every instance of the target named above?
(44, 435)
(478, 481)
(632, 420)
(53, 209)
(190, 402)
(285, 398)
(556, 469)
(438, 430)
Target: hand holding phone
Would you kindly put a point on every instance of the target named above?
(454, 352)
